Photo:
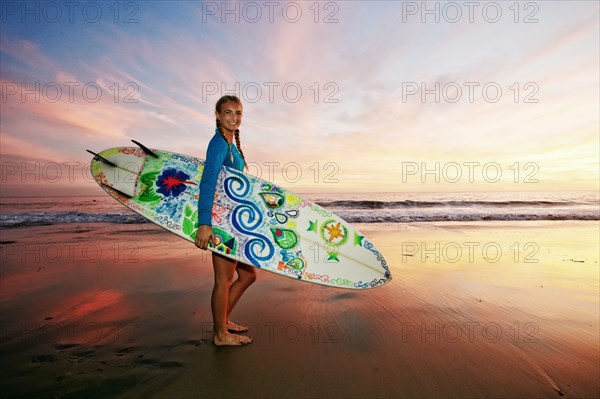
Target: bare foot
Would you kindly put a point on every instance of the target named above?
(231, 326)
(231, 340)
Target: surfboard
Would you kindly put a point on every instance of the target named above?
(254, 221)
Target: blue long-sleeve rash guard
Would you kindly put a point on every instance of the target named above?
(219, 153)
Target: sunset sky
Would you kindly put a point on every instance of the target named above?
(338, 96)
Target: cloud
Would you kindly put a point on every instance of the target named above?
(28, 53)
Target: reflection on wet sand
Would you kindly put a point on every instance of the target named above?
(494, 309)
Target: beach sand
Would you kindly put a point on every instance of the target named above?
(479, 309)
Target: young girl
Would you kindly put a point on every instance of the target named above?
(226, 291)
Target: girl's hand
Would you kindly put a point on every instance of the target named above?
(203, 236)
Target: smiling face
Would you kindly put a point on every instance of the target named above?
(230, 116)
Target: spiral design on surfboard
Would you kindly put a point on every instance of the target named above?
(236, 187)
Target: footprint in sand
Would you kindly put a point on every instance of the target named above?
(125, 351)
(43, 358)
(81, 356)
(62, 347)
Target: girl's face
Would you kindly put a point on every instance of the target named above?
(230, 116)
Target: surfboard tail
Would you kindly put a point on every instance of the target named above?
(118, 169)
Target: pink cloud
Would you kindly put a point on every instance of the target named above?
(28, 53)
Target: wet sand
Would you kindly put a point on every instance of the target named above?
(486, 309)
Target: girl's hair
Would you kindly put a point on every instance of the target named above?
(220, 102)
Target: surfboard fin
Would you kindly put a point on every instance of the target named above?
(102, 159)
(145, 149)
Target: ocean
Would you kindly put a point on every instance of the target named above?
(353, 207)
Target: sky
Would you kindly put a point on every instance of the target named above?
(338, 96)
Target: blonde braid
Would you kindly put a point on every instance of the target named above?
(239, 146)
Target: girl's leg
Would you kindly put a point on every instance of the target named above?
(224, 270)
(246, 276)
